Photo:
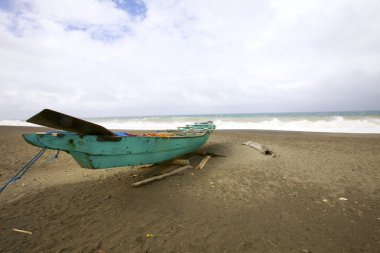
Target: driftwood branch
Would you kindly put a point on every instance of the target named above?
(22, 231)
(149, 180)
(261, 148)
(202, 164)
(210, 154)
(181, 162)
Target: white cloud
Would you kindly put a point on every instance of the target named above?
(92, 58)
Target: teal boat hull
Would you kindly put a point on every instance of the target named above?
(99, 152)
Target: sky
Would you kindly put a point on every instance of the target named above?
(97, 58)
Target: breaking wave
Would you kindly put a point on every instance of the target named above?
(305, 123)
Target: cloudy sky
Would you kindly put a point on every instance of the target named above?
(131, 57)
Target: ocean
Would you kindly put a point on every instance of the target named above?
(335, 122)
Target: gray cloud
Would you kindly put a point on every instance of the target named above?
(189, 57)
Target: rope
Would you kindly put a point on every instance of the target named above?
(24, 168)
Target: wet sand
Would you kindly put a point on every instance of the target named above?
(320, 193)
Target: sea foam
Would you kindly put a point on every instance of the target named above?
(306, 122)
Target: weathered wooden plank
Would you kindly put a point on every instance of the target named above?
(181, 162)
(202, 164)
(149, 180)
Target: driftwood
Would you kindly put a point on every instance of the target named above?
(149, 180)
(210, 154)
(22, 231)
(146, 166)
(202, 164)
(262, 149)
(181, 162)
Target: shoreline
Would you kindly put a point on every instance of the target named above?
(320, 193)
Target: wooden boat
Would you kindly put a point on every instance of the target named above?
(96, 147)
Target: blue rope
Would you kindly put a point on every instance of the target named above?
(24, 168)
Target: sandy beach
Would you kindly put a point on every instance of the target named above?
(320, 193)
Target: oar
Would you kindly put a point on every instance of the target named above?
(65, 122)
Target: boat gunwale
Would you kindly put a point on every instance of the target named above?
(127, 136)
